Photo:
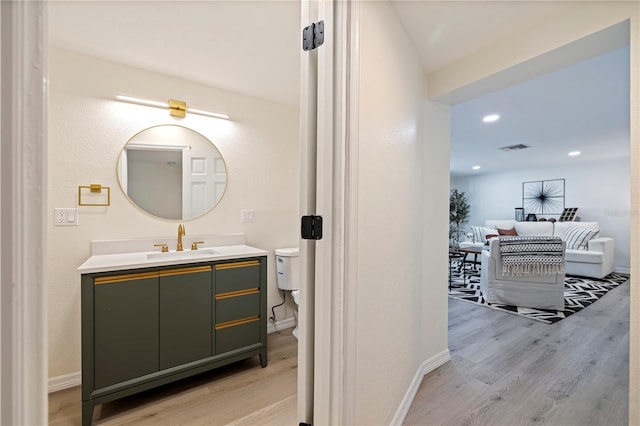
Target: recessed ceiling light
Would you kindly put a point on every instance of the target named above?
(491, 118)
(476, 167)
(574, 153)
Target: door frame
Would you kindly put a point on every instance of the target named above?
(23, 198)
(329, 160)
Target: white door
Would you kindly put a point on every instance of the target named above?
(203, 181)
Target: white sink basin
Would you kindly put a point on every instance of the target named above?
(187, 254)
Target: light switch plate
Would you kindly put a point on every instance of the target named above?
(65, 217)
(247, 216)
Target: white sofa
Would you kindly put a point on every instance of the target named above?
(543, 291)
(595, 262)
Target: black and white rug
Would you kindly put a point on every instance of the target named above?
(579, 292)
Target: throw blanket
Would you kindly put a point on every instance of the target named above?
(531, 255)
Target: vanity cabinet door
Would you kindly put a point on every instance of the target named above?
(185, 315)
(125, 328)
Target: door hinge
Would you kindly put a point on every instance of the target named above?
(313, 36)
(312, 227)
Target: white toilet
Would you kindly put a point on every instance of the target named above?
(288, 274)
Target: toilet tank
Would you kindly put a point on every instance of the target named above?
(288, 268)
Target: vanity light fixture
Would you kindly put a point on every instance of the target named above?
(476, 167)
(491, 118)
(574, 153)
(176, 108)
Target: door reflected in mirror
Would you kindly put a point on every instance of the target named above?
(172, 172)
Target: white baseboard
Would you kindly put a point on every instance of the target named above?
(625, 271)
(65, 381)
(281, 325)
(426, 367)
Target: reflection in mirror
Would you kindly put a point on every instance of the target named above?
(172, 172)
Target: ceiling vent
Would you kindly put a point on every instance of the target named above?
(514, 147)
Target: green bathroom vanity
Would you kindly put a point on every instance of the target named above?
(168, 318)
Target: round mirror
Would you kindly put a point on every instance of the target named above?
(172, 172)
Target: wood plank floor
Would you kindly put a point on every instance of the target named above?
(239, 394)
(507, 370)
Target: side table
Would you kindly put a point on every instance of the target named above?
(455, 255)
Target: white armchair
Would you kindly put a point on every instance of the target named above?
(537, 291)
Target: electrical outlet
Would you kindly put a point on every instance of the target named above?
(65, 217)
(247, 216)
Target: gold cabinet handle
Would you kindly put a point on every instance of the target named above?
(165, 248)
(194, 245)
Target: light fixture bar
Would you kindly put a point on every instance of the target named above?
(141, 101)
(176, 108)
(207, 113)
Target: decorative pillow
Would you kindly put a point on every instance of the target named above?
(480, 233)
(510, 232)
(577, 238)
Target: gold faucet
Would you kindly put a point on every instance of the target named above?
(180, 234)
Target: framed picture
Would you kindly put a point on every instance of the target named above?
(543, 196)
(569, 214)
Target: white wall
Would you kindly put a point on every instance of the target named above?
(391, 188)
(600, 189)
(87, 130)
(435, 218)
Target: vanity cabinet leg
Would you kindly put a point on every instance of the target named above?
(87, 412)
(263, 359)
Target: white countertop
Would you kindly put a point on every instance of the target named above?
(134, 260)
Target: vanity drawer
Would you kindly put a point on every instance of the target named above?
(236, 306)
(237, 276)
(234, 336)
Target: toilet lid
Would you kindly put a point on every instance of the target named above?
(288, 252)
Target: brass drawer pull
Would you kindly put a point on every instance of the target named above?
(181, 271)
(145, 275)
(126, 277)
(237, 322)
(237, 265)
(237, 293)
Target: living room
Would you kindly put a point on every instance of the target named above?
(495, 353)
(582, 108)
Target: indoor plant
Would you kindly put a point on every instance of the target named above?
(458, 214)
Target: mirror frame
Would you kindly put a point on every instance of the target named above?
(125, 193)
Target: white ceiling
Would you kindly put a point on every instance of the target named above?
(446, 31)
(250, 47)
(583, 107)
(253, 47)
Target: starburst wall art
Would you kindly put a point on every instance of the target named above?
(543, 196)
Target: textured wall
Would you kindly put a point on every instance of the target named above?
(87, 129)
(391, 185)
(435, 309)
